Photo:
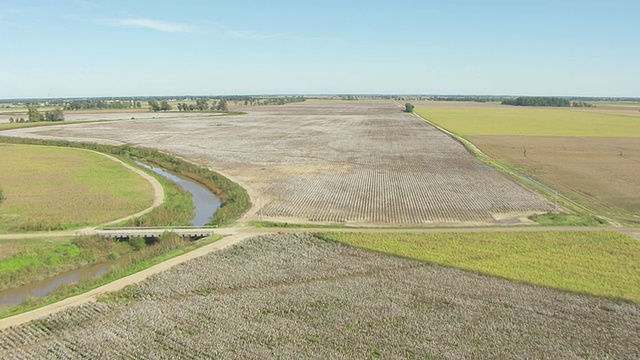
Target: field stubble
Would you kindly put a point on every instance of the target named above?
(296, 296)
(601, 173)
(352, 162)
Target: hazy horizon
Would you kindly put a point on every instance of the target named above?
(213, 96)
(84, 48)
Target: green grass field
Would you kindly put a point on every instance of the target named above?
(49, 188)
(597, 263)
(531, 122)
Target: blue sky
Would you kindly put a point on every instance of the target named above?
(65, 48)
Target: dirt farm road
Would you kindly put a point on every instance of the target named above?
(236, 235)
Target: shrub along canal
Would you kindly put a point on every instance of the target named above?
(205, 202)
(205, 205)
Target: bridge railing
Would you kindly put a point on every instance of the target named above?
(107, 228)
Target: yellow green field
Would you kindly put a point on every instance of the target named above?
(50, 188)
(531, 122)
(597, 263)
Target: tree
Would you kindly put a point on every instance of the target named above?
(202, 104)
(153, 105)
(222, 105)
(54, 115)
(165, 106)
(1, 196)
(34, 114)
(408, 107)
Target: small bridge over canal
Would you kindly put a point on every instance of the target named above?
(129, 232)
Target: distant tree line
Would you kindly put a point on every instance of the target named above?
(203, 105)
(102, 104)
(256, 99)
(581, 104)
(37, 116)
(463, 98)
(538, 101)
(275, 100)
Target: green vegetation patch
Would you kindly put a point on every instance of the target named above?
(29, 260)
(176, 210)
(50, 188)
(134, 259)
(531, 122)
(596, 263)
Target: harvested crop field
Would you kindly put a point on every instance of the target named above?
(108, 115)
(296, 296)
(351, 162)
(602, 173)
(591, 155)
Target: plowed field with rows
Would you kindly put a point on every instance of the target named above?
(353, 162)
(297, 296)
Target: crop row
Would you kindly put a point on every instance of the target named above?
(453, 193)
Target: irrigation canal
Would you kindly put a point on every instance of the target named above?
(205, 205)
(205, 202)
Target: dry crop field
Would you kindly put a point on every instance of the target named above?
(108, 115)
(588, 154)
(362, 162)
(297, 296)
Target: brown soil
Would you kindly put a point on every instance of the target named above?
(602, 172)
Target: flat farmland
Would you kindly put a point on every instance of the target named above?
(297, 296)
(349, 162)
(50, 188)
(590, 170)
(532, 121)
(591, 155)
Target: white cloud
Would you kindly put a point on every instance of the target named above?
(151, 24)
